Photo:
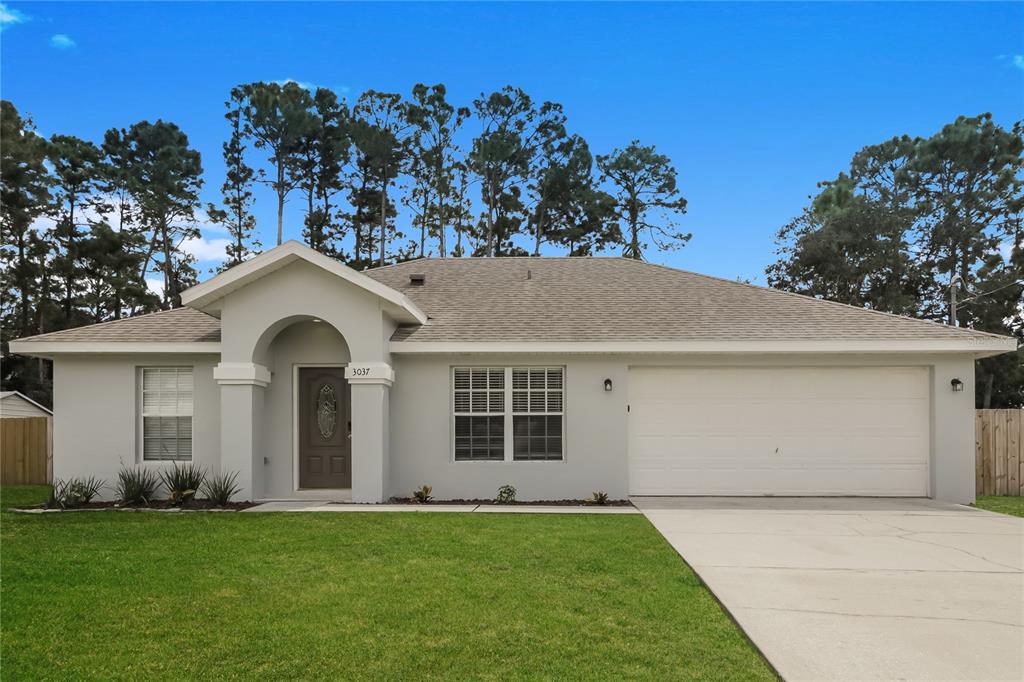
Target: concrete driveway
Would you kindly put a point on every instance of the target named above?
(857, 589)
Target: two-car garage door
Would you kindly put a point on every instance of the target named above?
(779, 431)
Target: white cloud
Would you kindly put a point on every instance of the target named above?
(204, 249)
(62, 41)
(10, 16)
(305, 85)
(1018, 61)
(155, 285)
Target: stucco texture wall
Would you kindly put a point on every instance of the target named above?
(597, 422)
(97, 399)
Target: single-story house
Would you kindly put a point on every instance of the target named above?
(16, 404)
(560, 376)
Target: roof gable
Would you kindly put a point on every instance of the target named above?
(207, 295)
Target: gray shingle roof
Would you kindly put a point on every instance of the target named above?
(168, 326)
(573, 300)
(619, 299)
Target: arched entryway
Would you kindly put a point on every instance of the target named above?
(307, 423)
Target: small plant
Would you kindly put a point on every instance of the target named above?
(221, 488)
(136, 485)
(182, 482)
(423, 495)
(598, 497)
(506, 494)
(74, 492)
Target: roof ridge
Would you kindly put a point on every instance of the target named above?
(805, 297)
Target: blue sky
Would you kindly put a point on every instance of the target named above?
(753, 103)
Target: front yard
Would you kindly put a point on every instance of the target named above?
(445, 596)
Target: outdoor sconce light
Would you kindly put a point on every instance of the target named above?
(957, 385)
(607, 384)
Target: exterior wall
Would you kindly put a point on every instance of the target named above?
(98, 429)
(97, 432)
(303, 343)
(597, 423)
(595, 432)
(16, 406)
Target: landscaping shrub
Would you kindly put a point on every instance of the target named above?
(598, 497)
(506, 494)
(423, 494)
(136, 485)
(182, 482)
(221, 488)
(74, 492)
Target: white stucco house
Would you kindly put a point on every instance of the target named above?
(560, 376)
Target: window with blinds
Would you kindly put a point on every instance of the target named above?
(513, 413)
(537, 402)
(166, 413)
(479, 407)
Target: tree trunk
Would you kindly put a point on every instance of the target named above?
(540, 232)
(169, 281)
(69, 274)
(986, 396)
(423, 223)
(383, 213)
(280, 200)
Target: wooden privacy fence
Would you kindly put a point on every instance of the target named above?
(999, 452)
(25, 450)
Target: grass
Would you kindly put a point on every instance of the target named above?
(1014, 506)
(119, 595)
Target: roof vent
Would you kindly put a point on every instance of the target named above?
(417, 280)
(529, 274)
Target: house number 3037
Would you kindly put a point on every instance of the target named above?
(360, 371)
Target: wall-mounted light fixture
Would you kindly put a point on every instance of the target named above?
(607, 384)
(957, 385)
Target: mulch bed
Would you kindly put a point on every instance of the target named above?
(532, 503)
(155, 505)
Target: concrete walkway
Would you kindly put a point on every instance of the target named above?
(861, 589)
(324, 506)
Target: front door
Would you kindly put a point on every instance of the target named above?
(325, 449)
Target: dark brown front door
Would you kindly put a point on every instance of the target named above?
(325, 450)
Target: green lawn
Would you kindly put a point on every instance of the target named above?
(105, 595)
(1014, 506)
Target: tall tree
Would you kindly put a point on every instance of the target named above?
(110, 262)
(513, 130)
(164, 179)
(968, 186)
(909, 216)
(236, 215)
(24, 197)
(380, 132)
(79, 174)
(645, 183)
(847, 247)
(323, 152)
(277, 117)
(434, 194)
(568, 208)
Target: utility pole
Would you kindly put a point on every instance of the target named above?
(952, 299)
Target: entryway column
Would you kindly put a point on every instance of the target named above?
(241, 407)
(371, 382)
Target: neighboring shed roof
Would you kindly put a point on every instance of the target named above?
(167, 326)
(17, 404)
(618, 299)
(573, 301)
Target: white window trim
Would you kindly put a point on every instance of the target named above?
(140, 438)
(508, 414)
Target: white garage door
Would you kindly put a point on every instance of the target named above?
(778, 431)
